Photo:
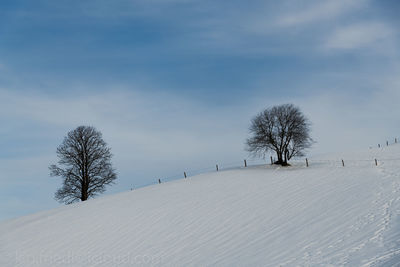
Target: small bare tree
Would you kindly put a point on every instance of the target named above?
(282, 129)
(86, 165)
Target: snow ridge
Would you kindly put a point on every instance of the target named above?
(324, 215)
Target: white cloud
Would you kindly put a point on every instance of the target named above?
(318, 11)
(359, 36)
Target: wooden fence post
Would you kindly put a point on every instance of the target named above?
(376, 162)
(184, 174)
(216, 166)
(245, 163)
(272, 162)
(159, 181)
(343, 163)
(306, 162)
(387, 143)
(379, 145)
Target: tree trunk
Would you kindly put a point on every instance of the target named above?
(84, 193)
(285, 163)
(280, 160)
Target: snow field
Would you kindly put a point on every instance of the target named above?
(324, 215)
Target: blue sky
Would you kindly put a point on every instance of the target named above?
(173, 84)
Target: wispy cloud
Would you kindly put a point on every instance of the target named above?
(316, 11)
(360, 35)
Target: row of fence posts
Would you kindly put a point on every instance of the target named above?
(272, 162)
(387, 142)
(376, 162)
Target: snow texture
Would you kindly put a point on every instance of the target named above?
(324, 215)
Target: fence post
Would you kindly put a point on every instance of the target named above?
(387, 143)
(272, 162)
(343, 163)
(379, 145)
(159, 181)
(216, 166)
(245, 163)
(306, 162)
(184, 174)
(376, 162)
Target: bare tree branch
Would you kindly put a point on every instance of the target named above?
(86, 167)
(281, 129)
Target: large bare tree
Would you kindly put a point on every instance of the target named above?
(281, 129)
(84, 164)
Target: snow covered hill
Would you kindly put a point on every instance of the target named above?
(324, 215)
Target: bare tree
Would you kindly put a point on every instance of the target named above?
(282, 129)
(86, 165)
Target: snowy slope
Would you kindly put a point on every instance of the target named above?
(324, 215)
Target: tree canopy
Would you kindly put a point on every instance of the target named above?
(281, 129)
(84, 165)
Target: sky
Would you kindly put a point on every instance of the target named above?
(174, 84)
